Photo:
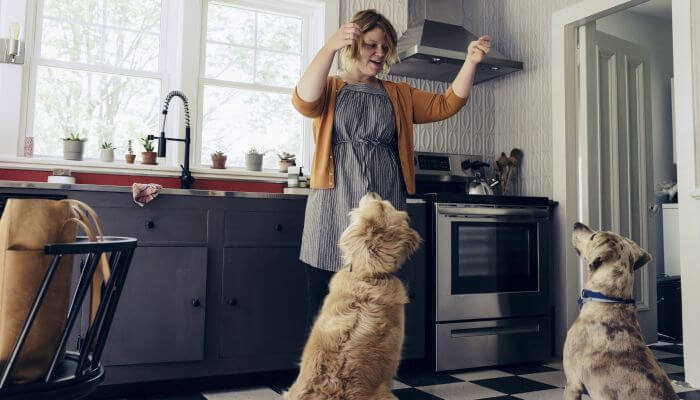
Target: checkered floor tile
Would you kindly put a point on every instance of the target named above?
(540, 381)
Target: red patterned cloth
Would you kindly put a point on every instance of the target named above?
(144, 193)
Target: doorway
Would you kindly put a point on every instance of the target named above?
(610, 200)
(625, 140)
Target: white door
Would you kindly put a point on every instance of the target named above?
(615, 153)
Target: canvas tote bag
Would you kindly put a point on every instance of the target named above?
(26, 226)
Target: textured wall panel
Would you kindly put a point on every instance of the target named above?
(521, 29)
(471, 130)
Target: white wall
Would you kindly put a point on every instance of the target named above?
(10, 78)
(687, 107)
(656, 35)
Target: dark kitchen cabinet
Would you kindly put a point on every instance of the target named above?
(160, 317)
(216, 287)
(264, 305)
(413, 273)
(668, 293)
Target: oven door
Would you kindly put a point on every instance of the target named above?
(491, 262)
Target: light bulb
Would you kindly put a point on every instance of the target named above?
(14, 31)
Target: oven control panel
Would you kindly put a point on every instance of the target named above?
(446, 166)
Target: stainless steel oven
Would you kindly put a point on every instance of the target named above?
(492, 293)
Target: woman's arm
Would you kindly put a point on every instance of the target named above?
(476, 52)
(431, 107)
(311, 84)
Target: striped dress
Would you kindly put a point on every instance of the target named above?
(366, 160)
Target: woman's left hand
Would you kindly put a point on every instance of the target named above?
(478, 49)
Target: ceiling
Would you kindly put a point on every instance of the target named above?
(654, 8)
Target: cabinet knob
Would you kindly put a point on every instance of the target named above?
(278, 227)
(196, 303)
(232, 302)
(150, 224)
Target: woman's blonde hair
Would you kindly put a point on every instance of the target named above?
(368, 20)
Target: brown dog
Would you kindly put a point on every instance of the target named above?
(604, 349)
(354, 347)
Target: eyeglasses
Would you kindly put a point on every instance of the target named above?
(375, 46)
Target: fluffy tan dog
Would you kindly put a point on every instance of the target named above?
(354, 347)
(604, 349)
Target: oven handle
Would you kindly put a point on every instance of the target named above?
(497, 330)
(541, 213)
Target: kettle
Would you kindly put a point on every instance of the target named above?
(480, 186)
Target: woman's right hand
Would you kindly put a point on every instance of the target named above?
(344, 36)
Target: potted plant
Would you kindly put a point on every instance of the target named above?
(254, 159)
(218, 160)
(73, 147)
(286, 160)
(129, 156)
(107, 152)
(148, 156)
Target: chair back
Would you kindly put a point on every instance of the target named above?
(72, 375)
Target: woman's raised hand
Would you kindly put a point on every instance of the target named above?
(478, 49)
(344, 36)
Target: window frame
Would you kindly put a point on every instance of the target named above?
(181, 51)
(34, 61)
(316, 12)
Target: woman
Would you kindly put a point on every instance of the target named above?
(363, 130)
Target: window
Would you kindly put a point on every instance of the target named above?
(252, 58)
(96, 71)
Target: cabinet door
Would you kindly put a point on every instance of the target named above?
(264, 305)
(160, 316)
(413, 273)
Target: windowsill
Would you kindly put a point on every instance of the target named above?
(122, 168)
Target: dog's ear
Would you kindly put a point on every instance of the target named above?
(638, 256)
(641, 259)
(413, 241)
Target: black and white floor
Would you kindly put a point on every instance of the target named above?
(541, 381)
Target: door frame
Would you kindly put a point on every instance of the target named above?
(567, 188)
(589, 100)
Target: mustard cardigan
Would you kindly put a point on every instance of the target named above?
(411, 106)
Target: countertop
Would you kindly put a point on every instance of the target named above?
(186, 192)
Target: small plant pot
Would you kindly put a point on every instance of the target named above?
(218, 162)
(129, 158)
(73, 150)
(285, 164)
(253, 162)
(107, 155)
(149, 157)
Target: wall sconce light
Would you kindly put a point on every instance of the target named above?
(12, 49)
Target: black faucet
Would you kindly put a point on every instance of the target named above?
(186, 178)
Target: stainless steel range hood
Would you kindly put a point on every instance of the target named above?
(436, 51)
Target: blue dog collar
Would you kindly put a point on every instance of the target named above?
(588, 296)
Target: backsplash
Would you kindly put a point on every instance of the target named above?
(471, 130)
(523, 100)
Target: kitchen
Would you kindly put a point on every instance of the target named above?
(222, 223)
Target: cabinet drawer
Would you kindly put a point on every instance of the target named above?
(176, 225)
(264, 228)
